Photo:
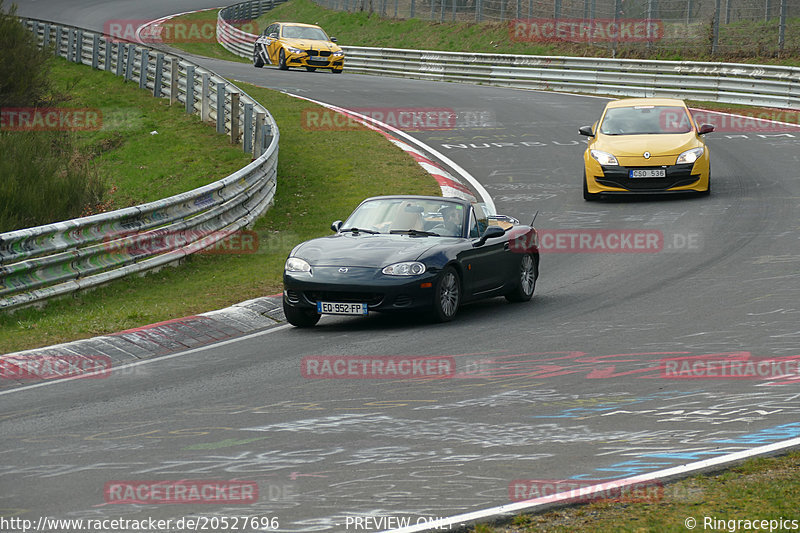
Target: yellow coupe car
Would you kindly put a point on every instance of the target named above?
(291, 44)
(646, 145)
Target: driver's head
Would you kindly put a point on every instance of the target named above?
(451, 216)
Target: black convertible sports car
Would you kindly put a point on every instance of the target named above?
(397, 253)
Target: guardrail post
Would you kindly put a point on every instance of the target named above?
(70, 44)
(79, 48)
(205, 99)
(221, 107)
(144, 66)
(396, 5)
(247, 141)
(159, 75)
(95, 51)
(479, 10)
(129, 63)
(107, 54)
(120, 59)
(234, 118)
(503, 10)
(259, 144)
(174, 68)
(190, 89)
(46, 37)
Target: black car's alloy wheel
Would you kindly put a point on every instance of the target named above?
(528, 272)
(447, 295)
(302, 318)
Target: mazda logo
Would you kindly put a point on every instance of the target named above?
(343, 270)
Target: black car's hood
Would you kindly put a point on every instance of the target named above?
(364, 250)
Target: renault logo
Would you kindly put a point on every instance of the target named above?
(343, 270)
(647, 155)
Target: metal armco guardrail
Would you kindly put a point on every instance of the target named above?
(55, 259)
(731, 83)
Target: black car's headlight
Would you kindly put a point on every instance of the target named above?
(411, 268)
(604, 158)
(295, 264)
(690, 156)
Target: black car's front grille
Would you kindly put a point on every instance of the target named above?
(370, 298)
(676, 176)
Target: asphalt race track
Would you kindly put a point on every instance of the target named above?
(568, 386)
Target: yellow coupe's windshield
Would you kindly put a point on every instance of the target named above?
(304, 32)
(644, 120)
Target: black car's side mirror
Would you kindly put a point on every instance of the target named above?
(586, 130)
(492, 232)
(336, 226)
(705, 128)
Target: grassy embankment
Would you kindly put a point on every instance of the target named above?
(314, 189)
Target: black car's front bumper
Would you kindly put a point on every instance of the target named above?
(358, 285)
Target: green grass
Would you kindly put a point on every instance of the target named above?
(141, 166)
(314, 189)
(759, 489)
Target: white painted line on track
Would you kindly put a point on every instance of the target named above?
(146, 361)
(538, 503)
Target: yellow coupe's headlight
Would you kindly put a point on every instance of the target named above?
(604, 158)
(690, 156)
(295, 50)
(338, 54)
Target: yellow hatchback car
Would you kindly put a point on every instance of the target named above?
(646, 145)
(292, 44)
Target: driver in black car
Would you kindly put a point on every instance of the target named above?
(452, 221)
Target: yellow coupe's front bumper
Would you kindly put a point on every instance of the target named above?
(304, 60)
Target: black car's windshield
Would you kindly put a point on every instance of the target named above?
(304, 32)
(645, 119)
(412, 216)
